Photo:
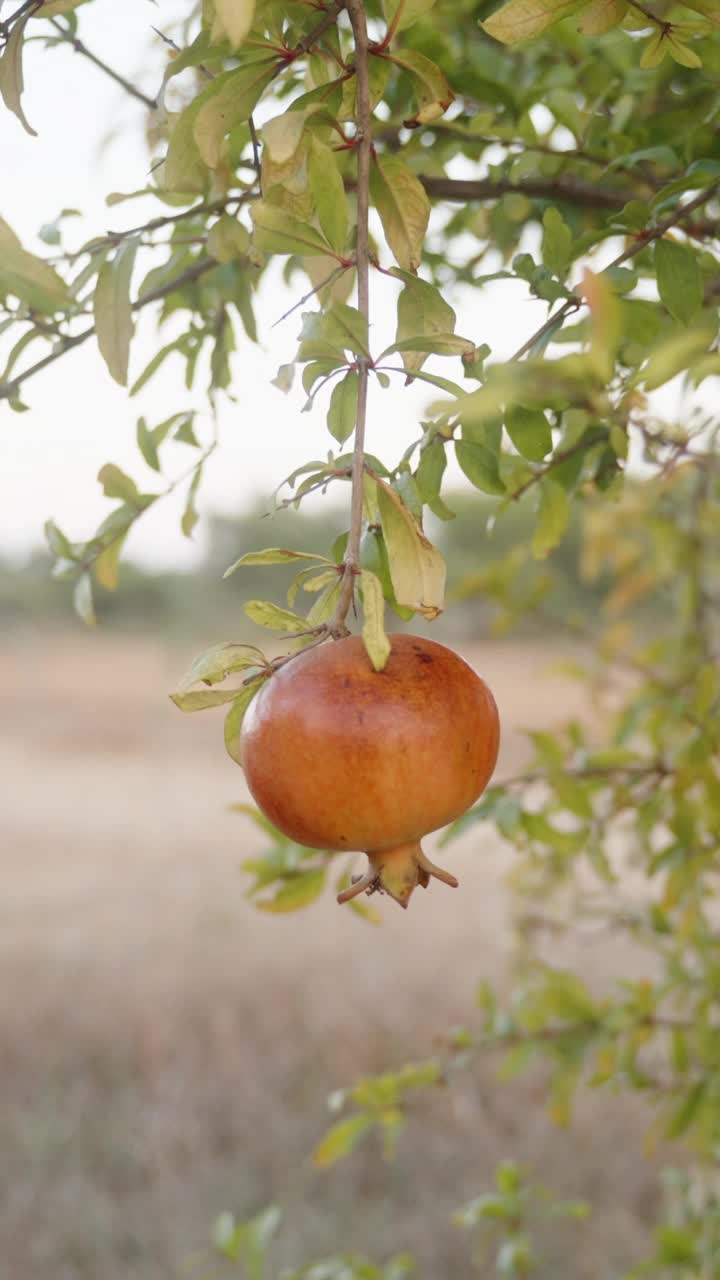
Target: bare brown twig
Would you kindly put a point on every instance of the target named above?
(79, 47)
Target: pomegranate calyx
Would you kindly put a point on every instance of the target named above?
(397, 872)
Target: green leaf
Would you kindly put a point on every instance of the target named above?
(116, 484)
(328, 191)
(276, 231)
(553, 516)
(404, 209)
(28, 278)
(113, 310)
(708, 9)
(273, 555)
(480, 465)
(430, 471)
(679, 279)
(520, 19)
(266, 614)
(421, 309)
(228, 101)
(201, 699)
(556, 243)
(297, 891)
(530, 432)
(235, 19)
(417, 568)
(401, 14)
(342, 412)
(228, 239)
(373, 630)
(341, 1139)
(12, 82)
(236, 715)
(671, 357)
(214, 664)
(190, 517)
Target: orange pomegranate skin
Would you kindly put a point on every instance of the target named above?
(340, 756)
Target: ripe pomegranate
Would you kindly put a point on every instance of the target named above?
(340, 756)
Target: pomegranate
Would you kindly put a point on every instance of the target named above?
(340, 756)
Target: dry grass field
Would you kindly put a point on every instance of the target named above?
(166, 1051)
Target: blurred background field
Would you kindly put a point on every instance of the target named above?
(167, 1050)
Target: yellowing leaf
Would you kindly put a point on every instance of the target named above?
(235, 19)
(113, 311)
(28, 278)
(432, 91)
(520, 19)
(282, 135)
(404, 209)
(417, 569)
(273, 555)
(11, 74)
(296, 892)
(602, 16)
(214, 664)
(680, 53)
(373, 631)
(272, 616)
(341, 1139)
(606, 321)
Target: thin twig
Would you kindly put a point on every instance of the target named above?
(256, 152)
(642, 240)
(307, 296)
(363, 148)
(652, 17)
(79, 47)
(199, 268)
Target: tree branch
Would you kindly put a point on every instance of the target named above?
(363, 147)
(642, 240)
(192, 273)
(79, 47)
(572, 191)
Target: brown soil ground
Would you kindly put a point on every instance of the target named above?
(166, 1050)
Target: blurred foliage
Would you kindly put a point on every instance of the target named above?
(198, 602)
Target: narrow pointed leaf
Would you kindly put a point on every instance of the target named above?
(520, 19)
(113, 311)
(417, 568)
(373, 630)
(404, 209)
(11, 75)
